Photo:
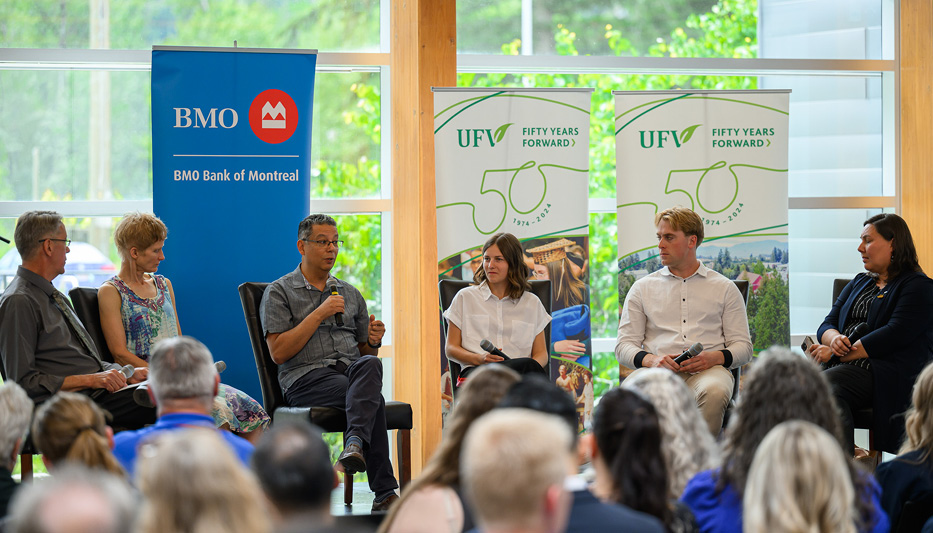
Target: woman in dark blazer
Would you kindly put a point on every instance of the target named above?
(879, 334)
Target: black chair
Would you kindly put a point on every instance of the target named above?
(448, 288)
(742, 285)
(87, 308)
(914, 514)
(863, 419)
(329, 419)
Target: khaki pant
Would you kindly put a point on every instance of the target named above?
(713, 390)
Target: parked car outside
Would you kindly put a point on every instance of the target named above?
(85, 266)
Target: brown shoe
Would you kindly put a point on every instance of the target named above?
(352, 459)
(385, 505)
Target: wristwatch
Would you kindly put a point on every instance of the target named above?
(374, 346)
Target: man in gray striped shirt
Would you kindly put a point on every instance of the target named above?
(326, 343)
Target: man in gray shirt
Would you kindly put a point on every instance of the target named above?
(44, 346)
(326, 344)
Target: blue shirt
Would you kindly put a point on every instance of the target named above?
(721, 511)
(126, 443)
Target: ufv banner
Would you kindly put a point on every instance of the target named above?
(517, 161)
(231, 144)
(723, 154)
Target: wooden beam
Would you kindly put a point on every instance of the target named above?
(915, 59)
(424, 54)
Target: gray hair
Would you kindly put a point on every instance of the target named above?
(688, 447)
(32, 227)
(181, 368)
(85, 499)
(17, 413)
(307, 225)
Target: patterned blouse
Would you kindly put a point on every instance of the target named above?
(146, 321)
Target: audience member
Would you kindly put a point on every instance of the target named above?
(513, 466)
(191, 482)
(182, 383)
(587, 513)
(799, 481)
(909, 476)
(781, 386)
(629, 462)
(501, 308)
(433, 502)
(292, 463)
(879, 333)
(44, 346)
(686, 443)
(137, 309)
(666, 312)
(71, 428)
(326, 344)
(15, 413)
(75, 500)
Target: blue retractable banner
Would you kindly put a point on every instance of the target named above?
(231, 159)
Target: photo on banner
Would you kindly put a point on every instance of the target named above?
(722, 154)
(517, 161)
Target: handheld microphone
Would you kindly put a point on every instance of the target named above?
(859, 332)
(338, 318)
(220, 366)
(128, 371)
(4, 239)
(491, 348)
(693, 351)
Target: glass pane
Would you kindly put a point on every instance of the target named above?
(93, 258)
(327, 25)
(360, 259)
(608, 27)
(821, 29)
(822, 246)
(345, 145)
(604, 279)
(66, 135)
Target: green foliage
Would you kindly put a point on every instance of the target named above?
(770, 323)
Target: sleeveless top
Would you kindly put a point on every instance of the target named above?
(146, 321)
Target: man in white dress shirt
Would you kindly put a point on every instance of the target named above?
(669, 310)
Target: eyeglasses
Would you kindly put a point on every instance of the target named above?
(324, 243)
(66, 241)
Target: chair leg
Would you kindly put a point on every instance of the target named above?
(348, 489)
(404, 457)
(25, 468)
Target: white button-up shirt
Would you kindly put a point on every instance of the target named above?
(511, 325)
(664, 315)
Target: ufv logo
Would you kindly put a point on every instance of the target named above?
(471, 138)
(648, 137)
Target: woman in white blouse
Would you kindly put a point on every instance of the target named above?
(499, 308)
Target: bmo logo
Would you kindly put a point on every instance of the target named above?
(273, 116)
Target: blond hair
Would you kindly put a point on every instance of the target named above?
(71, 427)
(192, 483)
(511, 458)
(799, 482)
(682, 219)
(919, 423)
(138, 230)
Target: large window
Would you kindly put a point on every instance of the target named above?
(837, 62)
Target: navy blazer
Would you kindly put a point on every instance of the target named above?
(899, 344)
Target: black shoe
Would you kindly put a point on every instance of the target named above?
(352, 459)
(141, 396)
(385, 505)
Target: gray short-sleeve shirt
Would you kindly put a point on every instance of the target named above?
(289, 299)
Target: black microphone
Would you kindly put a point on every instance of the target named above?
(491, 348)
(859, 332)
(338, 318)
(692, 351)
(4, 239)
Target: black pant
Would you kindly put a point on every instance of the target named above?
(126, 413)
(358, 390)
(522, 365)
(853, 388)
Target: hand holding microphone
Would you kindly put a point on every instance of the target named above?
(491, 348)
(338, 317)
(689, 353)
